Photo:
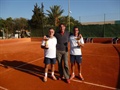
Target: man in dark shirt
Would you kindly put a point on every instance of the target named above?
(62, 52)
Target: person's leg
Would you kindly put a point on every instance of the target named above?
(79, 61)
(72, 60)
(59, 59)
(72, 68)
(52, 69)
(52, 73)
(66, 67)
(80, 71)
(79, 67)
(46, 62)
(46, 72)
(72, 71)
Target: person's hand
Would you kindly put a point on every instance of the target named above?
(80, 35)
(78, 43)
(44, 37)
(46, 41)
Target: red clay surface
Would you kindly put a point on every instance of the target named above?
(22, 68)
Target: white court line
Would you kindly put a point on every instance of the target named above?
(3, 88)
(29, 62)
(103, 86)
(22, 65)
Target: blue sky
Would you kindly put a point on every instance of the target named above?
(82, 10)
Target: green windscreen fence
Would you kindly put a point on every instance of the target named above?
(107, 30)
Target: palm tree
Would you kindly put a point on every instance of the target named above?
(54, 14)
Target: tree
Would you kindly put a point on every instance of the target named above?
(54, 14)
(9, 26)
(2, 23)
(37, 21)
(64, 19)
(21, 23)
(74, 22)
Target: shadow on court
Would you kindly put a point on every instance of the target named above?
(24, 67)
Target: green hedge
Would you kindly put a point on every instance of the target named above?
(107, 30)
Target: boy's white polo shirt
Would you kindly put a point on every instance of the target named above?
(51, 51)
(74, 50)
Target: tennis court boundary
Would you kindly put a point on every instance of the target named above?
(3, 88)
(94, 84)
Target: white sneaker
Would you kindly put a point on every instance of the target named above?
(72, 76)
(45, 79)
(81, 77)
(53, 77)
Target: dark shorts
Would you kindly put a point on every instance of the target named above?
(49, 60)
(76, 58)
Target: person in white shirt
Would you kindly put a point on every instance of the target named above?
(49, 46)
(76, 42)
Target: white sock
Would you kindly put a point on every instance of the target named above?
(52, 73)
(45, 74)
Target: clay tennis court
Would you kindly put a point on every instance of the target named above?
(22, 68)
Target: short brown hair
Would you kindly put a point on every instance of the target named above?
(62, 24)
